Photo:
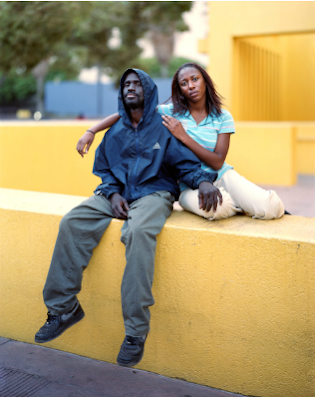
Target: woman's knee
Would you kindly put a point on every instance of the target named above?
(190, 202)
(271, 207)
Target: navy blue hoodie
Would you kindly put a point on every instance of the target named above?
(135, 162)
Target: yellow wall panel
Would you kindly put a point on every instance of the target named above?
(234, 299)
(42, 157)
(305, 137)
(264, 153)
(285, 31)
(274, 78)
(299, 85)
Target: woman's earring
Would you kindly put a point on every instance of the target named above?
(181, 97)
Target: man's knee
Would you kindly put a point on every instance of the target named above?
(135, 232)
(65, 222)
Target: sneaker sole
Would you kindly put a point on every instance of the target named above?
(132, 364)
(63, 329)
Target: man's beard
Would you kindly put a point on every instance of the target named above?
(134, 103)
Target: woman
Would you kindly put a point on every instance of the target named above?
(196, 118)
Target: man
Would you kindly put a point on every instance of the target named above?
(139, 162)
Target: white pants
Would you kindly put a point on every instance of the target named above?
(239, 195)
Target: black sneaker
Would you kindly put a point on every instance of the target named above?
(57, 324)
(131, 351)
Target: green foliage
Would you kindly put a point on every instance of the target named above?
(17, 87)
(175, 63)
(152, 66)
(77, 34)
(167, 15)
(29, 31)
(65, 65)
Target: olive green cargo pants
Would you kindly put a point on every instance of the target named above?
(80, 232)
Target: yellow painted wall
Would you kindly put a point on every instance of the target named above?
(244, 20)
(235, 303)
(305, 149)
(258, 78)
(265, 153)
(42, 156)
(299, 84)
(274, 77)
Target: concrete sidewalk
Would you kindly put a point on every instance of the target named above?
(32, 370)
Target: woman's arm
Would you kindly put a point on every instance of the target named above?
(213, 159)
(87, 139)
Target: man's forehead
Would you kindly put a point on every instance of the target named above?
(132, 76)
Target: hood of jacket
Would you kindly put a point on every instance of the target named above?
(150, 97)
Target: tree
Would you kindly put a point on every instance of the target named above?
(30, 31)
(163, 20)
(30, 34)
(59, 28)
(36, 35)
(17, 87)
(95, 32)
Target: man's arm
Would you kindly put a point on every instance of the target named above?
(101, 168)
(189, 171)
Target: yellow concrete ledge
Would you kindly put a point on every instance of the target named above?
(235, 302)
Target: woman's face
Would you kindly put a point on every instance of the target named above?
(192, 84)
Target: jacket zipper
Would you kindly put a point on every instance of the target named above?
(137, 162)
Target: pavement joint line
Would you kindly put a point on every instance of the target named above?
(3, 343)
(82, 388)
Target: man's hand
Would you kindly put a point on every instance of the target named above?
(119, 206)
(209, 196)
(85, 142)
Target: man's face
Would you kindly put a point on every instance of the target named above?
(133, 92)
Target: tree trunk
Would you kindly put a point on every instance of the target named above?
(39, 95)
(163, 47)
(99, 92)
(2, 79)
(39, 72)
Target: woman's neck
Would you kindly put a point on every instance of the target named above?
(198, 111)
